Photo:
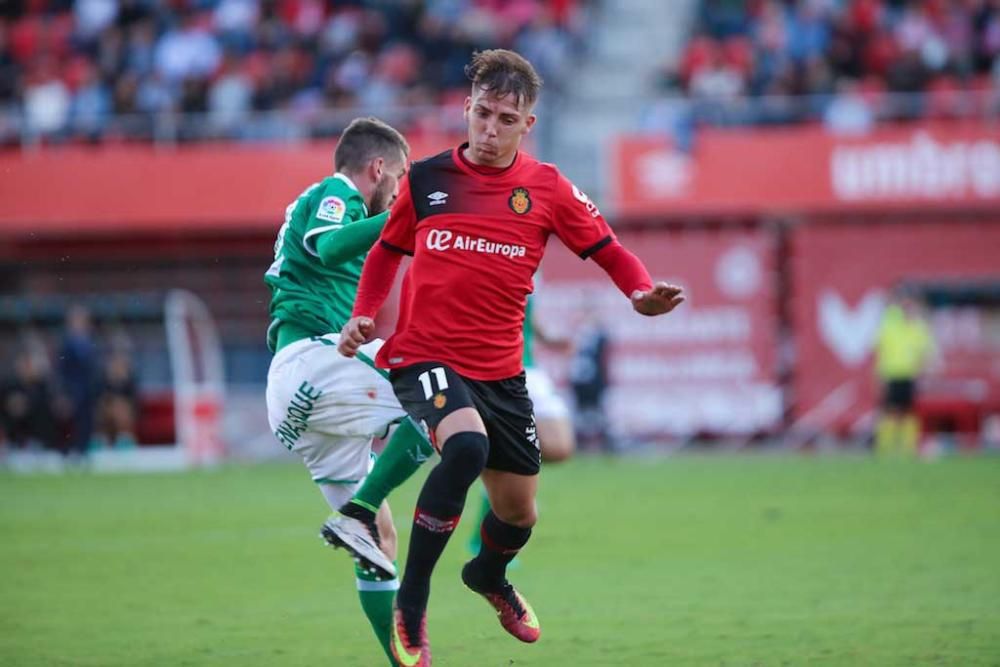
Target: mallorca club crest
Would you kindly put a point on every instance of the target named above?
(520, 201)
(440, 400)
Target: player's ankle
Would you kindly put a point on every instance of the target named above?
(356, 510)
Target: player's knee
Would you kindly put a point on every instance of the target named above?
(556, 439)
(465, 454)
(556, 451)
(522, 516)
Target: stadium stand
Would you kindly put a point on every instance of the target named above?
(97, 70)
(840, 57)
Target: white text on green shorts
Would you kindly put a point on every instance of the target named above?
(297, 417)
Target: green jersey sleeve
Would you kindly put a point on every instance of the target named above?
(328, 210)
(339, 245)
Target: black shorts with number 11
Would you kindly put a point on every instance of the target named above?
(430, 391)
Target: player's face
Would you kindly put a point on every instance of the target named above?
(496, 127)
(387, 188)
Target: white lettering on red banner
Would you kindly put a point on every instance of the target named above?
(920, 168)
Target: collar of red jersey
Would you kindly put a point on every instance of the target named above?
(480, 169)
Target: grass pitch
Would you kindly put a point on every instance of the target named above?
(750, 560)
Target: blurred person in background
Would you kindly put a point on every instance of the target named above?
(78, 376)
(904, 350)
(28, 401)
(118, 401)
(588, 377)
(556, 437)
(555, 431)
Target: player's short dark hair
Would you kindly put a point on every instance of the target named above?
(503, 73)
(365, 139)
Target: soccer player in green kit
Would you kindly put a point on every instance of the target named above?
(322, 405)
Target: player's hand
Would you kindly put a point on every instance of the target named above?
(660, 300)
(357, 332)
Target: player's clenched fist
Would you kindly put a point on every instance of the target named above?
(355, 333)
(661, 299)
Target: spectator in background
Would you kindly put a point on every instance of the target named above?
(229, 97)
(848, 113)
(27, 401)
(47, 101)
(588, 377)
(188, 50)
(118, 401)
(78, 377)
(91, 106)
(904, 350)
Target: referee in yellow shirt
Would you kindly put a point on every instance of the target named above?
(904, 350)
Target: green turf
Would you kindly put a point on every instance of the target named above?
(754, 560)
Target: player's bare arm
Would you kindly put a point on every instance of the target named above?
(660, 300)
(357, 332)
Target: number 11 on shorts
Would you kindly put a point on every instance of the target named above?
(428, 384)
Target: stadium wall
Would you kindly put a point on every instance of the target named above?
(786, 252)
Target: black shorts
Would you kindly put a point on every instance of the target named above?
(900, 395)
(430, 391)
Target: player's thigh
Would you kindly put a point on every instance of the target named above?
(556, 439)
(548, 404)
(510, 425)
(434, 394)
(512, 496)
(312, 387)
(555, 431)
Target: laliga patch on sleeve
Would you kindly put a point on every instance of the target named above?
(331, 209)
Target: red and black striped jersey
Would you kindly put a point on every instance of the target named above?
(477, 235)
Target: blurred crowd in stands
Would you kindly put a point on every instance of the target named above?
(939, 58)
(80, 396)
(68, 66)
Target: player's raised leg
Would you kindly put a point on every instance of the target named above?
(353, 525)
(376, 591)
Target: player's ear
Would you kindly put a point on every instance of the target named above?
(466, 108)
(529, 122)
(377, 167)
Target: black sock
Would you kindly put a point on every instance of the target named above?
(356, 511)
(500, 543)
(438, 510)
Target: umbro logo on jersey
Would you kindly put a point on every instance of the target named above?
(438, 198)
(443, 239)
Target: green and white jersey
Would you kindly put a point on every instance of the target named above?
(313, 298)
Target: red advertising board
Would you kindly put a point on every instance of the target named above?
(204, 187)
(707, 367)
(806, 169)
(841, 275)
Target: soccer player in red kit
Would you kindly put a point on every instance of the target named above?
(476, 219)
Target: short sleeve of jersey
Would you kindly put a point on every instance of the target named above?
(399, 233)
(577, 221)
(328, 208)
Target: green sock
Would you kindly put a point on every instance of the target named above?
(475, 539)
(376, 601)
(886, 433)
(406, 450)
